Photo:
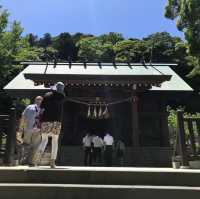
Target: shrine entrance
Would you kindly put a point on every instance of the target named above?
(77, 123)
(99, 127)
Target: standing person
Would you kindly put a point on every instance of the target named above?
(87, 145)
(120, 152)
(98, 145)
(108, 142)
(30, 127)
(51, 106)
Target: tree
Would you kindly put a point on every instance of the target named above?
(130, 50)
(94, 49)
(163, 45)
(89, 49)
(3, 19)
(186, 12)
(48, 54)
(65, 46)
(32, 39)
(45, 41)
(111, 37)
(172, 50)
(13, 47)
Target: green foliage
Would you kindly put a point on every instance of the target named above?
(89, 49)
(129, 51)
(32, 39)
(44, 42)
(98, 48)
(3, 19)
(172, 120)
(163, 46)
(65, 46)
(13, 48)
(111, 38)
(186, 13)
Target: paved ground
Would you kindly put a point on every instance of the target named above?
(99, 186)
(125, 169)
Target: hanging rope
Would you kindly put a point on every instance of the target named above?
(119, 101)
(77, 101)
(96, 103)
(95, 108)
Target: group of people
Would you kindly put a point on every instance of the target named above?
(42, 120)
(94, 146)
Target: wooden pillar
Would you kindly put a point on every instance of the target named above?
(165, 129)
(11, 137)
(182, 140)
(192, 137)
(198, 131)
(59, 154)
(135, 121)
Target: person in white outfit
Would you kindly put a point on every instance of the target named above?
(108, 142)
(98, 145)
(30, 130)
(87, 145)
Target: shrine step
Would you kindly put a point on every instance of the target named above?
(60, 191)
(101, 176)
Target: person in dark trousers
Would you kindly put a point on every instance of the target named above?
(120, 152)
(51, 117)
(98, 145)
(108, 142)
(88, 147)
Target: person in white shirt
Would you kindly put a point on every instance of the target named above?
(28, 125)
(108, 142)
(87, 145)
(98, 145)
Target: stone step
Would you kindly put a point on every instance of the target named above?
(75, 191)
(101, 175)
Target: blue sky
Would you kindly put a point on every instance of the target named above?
(132, 18)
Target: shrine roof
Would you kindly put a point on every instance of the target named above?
(160, 76)
(104, 69)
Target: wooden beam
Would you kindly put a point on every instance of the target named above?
(151, 79)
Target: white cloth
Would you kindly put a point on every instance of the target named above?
(33, 140)
(87, 141)
(54, 145)
(97, 141)
(108, 140)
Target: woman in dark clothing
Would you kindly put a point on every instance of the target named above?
(51, 121)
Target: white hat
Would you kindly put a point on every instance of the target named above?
(59, 87)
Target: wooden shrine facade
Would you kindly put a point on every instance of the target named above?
(136, 96)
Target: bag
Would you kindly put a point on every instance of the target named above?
(19, 139)
(37, 124)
